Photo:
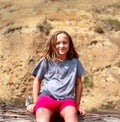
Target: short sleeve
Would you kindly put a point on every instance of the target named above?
(80, 69)
(40, 69)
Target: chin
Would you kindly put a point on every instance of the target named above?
(62, 54)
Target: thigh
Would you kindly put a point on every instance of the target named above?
(46, 102)
(68, 102)
(68, 109)
(43, 115)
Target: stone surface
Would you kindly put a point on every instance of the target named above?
(9, 113)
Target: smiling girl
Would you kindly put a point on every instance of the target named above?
(60, 72)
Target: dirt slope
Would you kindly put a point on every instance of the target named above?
(95, 28)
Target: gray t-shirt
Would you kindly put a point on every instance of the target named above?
(58, 77)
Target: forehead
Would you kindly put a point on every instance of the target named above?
(62, 36)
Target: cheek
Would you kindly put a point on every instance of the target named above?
(67, 47)
(57, 47)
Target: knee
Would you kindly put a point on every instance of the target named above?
(43, 111)
(40, 112)
(43, 115)
(69, 113)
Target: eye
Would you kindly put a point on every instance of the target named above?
(65, 42)
(57, 43)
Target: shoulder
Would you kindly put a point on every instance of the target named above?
(41, 62)
(77, 62)
(46, 62)
(74, 60)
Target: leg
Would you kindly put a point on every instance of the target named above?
(44, 108)
(43, 115)
(69, 114)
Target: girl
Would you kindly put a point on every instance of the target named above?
(61, 89)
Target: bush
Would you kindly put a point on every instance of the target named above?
(118, 64)
(44, 27)
(112, 24)
(87, 81)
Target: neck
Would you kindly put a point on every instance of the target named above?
(62, 58)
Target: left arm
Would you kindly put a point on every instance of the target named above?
(78, 93)
(78, 90)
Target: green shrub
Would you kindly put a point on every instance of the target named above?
(44, 27)
(87, 81)
(118, 64)
(112, 24)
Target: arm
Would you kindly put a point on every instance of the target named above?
(78, 90)
(36, 88)
(78, 93)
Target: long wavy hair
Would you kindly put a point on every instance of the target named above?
(50, 51)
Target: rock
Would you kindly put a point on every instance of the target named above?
(10, 113)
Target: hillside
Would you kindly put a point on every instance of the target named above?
(95, 28)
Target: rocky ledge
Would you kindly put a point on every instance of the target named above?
(10, 113)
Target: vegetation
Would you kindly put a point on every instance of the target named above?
(112, 24)
(44, 27)
(118, 63)
(87, 81)
(107, 24)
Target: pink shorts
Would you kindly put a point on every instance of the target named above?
(53, 104)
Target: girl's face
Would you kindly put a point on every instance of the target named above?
(62, 45)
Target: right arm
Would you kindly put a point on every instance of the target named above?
(36, 88)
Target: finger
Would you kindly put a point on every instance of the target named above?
(30, 108)
(82, 112)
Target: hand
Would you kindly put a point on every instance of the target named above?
(82, 112)
(30, 108)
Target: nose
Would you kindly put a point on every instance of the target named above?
(61, 44)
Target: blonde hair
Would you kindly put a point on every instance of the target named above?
(50, 51)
